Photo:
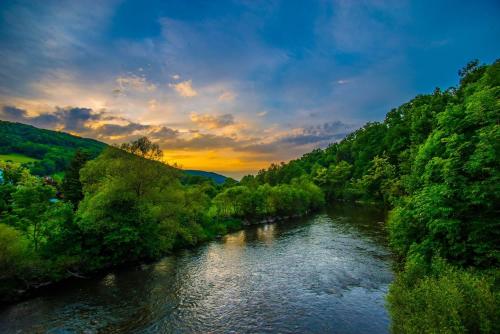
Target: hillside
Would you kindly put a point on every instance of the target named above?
(47, 152)
(217, 178)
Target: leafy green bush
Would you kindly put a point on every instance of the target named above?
(440, 298)
(14, 251)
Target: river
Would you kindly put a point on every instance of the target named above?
(327, 273)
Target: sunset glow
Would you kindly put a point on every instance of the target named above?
(231, 86)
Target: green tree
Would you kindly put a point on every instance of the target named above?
(71, 185)
(379, 180)
(144, 148)
(334, 179)
(129, 207)
(31, 208)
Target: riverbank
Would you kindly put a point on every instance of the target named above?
(21, 290)
(24, 290)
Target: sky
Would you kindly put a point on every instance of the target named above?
(231, 86)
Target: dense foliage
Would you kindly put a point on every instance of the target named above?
(436, 162)
(440, 298)
(71, 187)
(265, 201)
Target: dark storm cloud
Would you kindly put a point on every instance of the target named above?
(75, 119)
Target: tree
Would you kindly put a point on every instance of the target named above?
(132, 207)
(71, 186)
(144, 148)
(379, 179)
(14, 251)
(30, 208)
(334, 179)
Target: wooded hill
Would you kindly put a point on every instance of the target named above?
(51, 149)
(47, 152)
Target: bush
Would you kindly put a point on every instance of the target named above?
(440, 298)
(14, 251)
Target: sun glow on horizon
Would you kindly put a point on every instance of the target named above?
(223, 161)
(275, 86)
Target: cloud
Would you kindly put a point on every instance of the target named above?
(176, 76)
(164, 133)
(212, 121)
(132, 83)
(319, 135)
(200, 142)
(101, 125)
(68, 119)
(262, 113)
(88, 123)
(302, 140)
(13, 114)
(258, 150)
(184, 88)
(227, 96)
(41, 37)
(114, 130)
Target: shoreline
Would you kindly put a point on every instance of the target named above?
(39, 289)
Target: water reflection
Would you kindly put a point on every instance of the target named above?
(265, 233)
(109, 280)
(236, 240)
(327, 273)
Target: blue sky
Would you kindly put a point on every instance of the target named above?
(231, 86)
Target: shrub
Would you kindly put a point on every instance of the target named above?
(440, 298)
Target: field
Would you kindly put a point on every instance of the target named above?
(15, 157)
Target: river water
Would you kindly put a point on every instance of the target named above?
(327, 273)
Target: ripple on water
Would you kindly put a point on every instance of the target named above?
(327, 273)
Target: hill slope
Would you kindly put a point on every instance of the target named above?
(218, 179)
(48, 152)
(51, 149)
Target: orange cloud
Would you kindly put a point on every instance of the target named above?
(184, 88)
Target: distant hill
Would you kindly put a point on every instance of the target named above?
(47, 152)
(50, 151)
(219, 179)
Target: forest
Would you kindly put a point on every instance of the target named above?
(433, 163)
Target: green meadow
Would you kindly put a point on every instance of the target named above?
(18, 158)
